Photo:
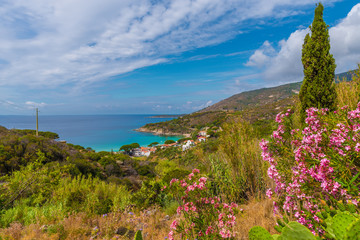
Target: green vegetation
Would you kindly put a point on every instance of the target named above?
(138, 236)
(153, 144)
(318, 88)
(186, 124)
(49, 192)
(50, 135)
(292, 231)
(169, 141)
(348, 91)
(339, 225)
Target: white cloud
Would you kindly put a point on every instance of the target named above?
(261, 56)
(75, 42)
(201, 106)
(345, 39)
(10, 104)
(32, 104)
(284, 65)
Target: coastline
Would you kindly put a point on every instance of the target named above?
(167, 116)
(161, 132)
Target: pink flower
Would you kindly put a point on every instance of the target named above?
(190, 188)
(173, 180)
(178, 211)
(174, 224)
(195, 170)
(269, 193)
(171, 235)
(191, 175)
(203, 179)
(208, 230)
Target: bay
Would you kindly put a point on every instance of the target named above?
(100, 132)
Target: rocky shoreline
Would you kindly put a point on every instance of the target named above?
(161, 132)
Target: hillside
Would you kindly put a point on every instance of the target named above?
(18, 148)
(185, 124)
(254, 98)
(256, 106)
(264, 96)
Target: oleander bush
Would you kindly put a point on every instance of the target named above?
(205, 216)
(320, 162)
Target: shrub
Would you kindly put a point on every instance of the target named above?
(240, 156)
(176, 173)
(205, 217)
(149, 194)
(318, 162)
(90, 195)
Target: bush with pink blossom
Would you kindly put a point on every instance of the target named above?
(319, 162)
(200, 216)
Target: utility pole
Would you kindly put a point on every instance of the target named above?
(37, 122)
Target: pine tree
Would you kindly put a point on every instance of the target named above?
(317, 89)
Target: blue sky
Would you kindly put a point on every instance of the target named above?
(153, 56)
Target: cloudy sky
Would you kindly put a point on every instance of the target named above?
(157, 56)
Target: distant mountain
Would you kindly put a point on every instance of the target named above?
(263, 96)
(345, 76)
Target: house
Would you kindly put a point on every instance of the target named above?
(136, 152)
(188, 144)
(167, 145)
(201, 139)
(203, 133)
(146, 151)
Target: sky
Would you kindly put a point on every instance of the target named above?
(157, 56)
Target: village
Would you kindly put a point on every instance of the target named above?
(184, 144)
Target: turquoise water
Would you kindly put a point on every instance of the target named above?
(100, 132)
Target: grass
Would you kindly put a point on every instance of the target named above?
(153, 222)
(348, 92)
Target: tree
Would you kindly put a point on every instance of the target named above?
(135, 145)
(129, 147)
(318, 89)
(195, 134)
(169, 141)
(153, 144)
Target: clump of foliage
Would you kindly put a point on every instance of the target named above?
(47, 134)
(129, 147)
(153, 144)
(149, 194)
(237, 168)
(292, 230)
(318, 88)
(205, 216)
(169, 141)
(39, 191)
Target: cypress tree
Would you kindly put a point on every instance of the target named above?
(318, 87)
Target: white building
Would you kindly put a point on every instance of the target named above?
(188, 144)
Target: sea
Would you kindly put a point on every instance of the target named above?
(100, 132)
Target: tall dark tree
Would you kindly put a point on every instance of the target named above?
(318, 88)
